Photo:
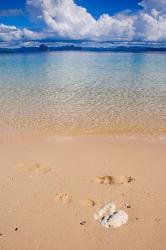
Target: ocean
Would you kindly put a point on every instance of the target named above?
(83, 93)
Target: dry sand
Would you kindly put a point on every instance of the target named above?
(49, 193)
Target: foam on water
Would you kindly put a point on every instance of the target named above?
(70, 93)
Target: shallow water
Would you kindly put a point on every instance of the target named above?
(68, 93)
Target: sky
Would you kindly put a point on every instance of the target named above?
(94, 20)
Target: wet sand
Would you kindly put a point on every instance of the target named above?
(49, 193)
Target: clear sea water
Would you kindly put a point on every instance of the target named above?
(70, 93)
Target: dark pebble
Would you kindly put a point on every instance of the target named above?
(82, 223)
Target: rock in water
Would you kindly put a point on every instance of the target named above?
(43, 48)
(109, 217)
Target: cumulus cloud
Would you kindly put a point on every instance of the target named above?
(68, 20)
(12, 33)
(158, 5)
(8, 33)
(65, 19)
(150, 27)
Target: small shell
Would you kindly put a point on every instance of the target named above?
(127, 205)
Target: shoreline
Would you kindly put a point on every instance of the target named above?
(127, 137)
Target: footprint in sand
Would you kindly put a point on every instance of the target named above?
(113, 180)
(87, 203)
(63, 198)
(33, 167)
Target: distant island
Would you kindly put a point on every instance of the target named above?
(45, 48)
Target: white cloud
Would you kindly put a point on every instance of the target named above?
(65, 19)
(12, 33)
(159, 5)
(68, 20)
(8, 33)
(150, 27)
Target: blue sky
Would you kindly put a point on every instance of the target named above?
(95, 7)
(98, 7)
(20, 20)
(100, 20)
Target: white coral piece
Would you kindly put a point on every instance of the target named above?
(109, 217)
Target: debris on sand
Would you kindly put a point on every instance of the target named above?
(127, 205)
(82, 223)
(109, 217)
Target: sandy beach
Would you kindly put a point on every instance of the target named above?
(49, 193)
(82, 125)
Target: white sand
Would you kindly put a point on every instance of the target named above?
(42, 210)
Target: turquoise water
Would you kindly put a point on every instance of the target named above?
(83, 93)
